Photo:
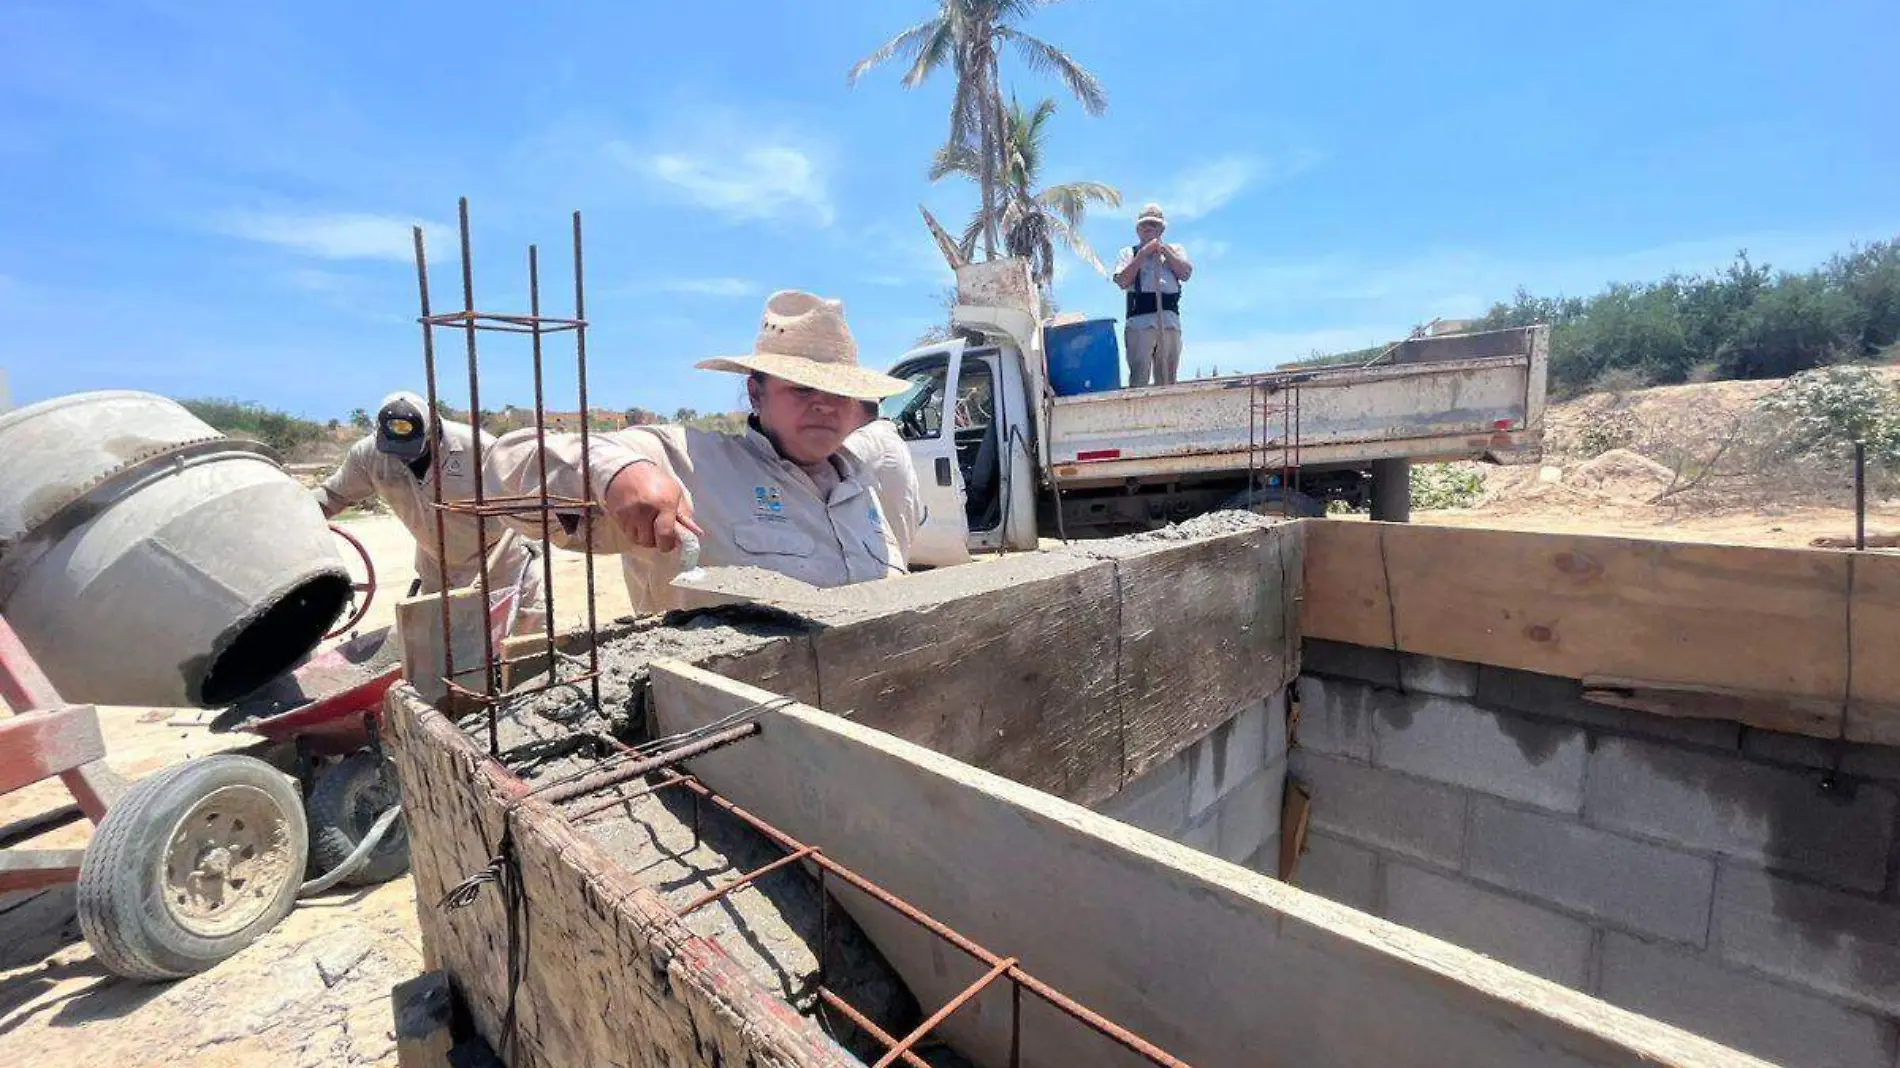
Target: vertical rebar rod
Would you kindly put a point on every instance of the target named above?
(434, 418)
(541, 458)
(1860, 495)
(587, 466)
(481, 520)
(1015, 1023)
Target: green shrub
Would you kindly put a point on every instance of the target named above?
(243, 419)
(1823, 412)
(1612, 429)
(1436, 487)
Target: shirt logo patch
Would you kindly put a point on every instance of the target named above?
(766, 500)
(453, 465)
(877, 519)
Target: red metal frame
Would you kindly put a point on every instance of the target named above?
(47, 737)
(25, 688)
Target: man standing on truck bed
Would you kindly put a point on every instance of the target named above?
(1151, 272)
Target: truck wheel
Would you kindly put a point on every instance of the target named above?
(347, 798)
(191, 866)
(1267, 500)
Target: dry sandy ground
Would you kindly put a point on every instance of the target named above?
(315, 990)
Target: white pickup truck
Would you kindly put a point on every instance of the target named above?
(1011, 462)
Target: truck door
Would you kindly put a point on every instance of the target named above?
(925, 415)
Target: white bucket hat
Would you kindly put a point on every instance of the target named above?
(804, 340)
(1151, 213)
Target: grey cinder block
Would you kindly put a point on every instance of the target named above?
(1526, 936)
(1778, 817)
(1507, 756)
(1753, 1015)
(1340, 871)
(1408, 816)
(1632, 885)
(1832, 942)
(1336, 717)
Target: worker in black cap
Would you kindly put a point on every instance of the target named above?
(397, 463)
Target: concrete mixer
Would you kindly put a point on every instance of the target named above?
(147, 559)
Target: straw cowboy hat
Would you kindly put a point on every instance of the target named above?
(804, 340)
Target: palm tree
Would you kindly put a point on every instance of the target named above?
(1032, 220)
(965, 34)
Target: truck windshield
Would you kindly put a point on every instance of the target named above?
(918, 411)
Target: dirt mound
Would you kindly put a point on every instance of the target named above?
(1621, 475)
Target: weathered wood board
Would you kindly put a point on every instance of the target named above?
(1019, 681)
(1206, 629)
(1764, 632)
(610, 975)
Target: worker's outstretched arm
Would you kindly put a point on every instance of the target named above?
(633, 477)
(349, 484)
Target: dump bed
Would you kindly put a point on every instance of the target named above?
(1473, 396)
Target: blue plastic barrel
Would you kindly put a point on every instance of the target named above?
(1083, 357)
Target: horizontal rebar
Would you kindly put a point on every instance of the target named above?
(600, 780)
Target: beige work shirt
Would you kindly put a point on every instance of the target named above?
(366, 472)
(886, 457)
(756, 507)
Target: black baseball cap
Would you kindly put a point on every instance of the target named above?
(402, 426)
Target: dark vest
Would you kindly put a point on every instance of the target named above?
(1143, 303)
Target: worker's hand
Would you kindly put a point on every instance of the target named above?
(1154, 248)
(649, 506)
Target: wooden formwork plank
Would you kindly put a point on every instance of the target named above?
(1020, 681)
(1762, 635)
(1205, 630)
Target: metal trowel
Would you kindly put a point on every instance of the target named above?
(755, 585)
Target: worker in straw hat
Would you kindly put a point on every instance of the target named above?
(788, 494)
(1151, 272)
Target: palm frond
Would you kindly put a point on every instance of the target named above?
(967, 243)
(1071, 236)
(1071, 200)
(1044, 57)
(908, 43)
(955, 158)
(935, 52)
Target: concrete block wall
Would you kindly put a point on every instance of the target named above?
(1738, 883)
(1221, 795)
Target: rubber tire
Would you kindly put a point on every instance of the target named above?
(339, 820)
(122, 908)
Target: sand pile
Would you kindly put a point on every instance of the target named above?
(1622, 476)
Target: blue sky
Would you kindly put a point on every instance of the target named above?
(212, 199)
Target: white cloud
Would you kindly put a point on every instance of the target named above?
(742, 182)
(1208, 186)
(709, 287)
(335, 236)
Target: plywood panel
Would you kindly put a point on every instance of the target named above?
(1875, 713)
